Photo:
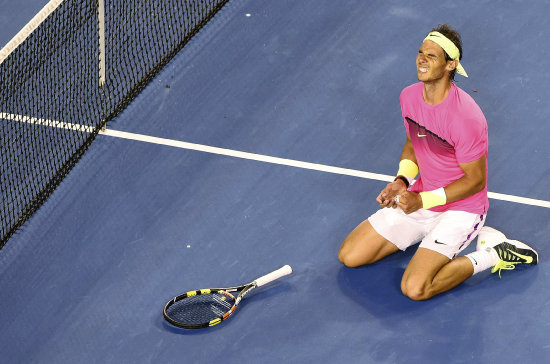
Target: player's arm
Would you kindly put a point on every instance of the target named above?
(408, 151)
(404, 175)
(408, 166)
(472, 182)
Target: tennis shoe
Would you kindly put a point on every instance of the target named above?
(510, 252)
(489, 238)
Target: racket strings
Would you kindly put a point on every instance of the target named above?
(200, 309)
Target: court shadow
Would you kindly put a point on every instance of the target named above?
(452, 325)
(414, 330)
(377, 287)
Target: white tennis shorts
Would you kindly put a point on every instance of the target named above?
(447, 232)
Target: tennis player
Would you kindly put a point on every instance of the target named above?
(445, 208)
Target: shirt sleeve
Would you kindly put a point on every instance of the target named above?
(403, 110)
(470, 140)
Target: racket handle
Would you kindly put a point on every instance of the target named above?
(281, 272)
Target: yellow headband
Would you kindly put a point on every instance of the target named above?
(449, 47)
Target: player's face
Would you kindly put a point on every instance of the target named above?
(430, 62)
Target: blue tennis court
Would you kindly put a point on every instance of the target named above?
(264, 142)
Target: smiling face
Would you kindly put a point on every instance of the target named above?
(431, 63)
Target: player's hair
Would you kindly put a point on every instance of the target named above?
(454, 37)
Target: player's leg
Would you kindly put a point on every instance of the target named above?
(434, 268)
(364, 246)
(430, 273)
(383, 233)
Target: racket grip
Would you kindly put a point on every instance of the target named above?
(281, 272)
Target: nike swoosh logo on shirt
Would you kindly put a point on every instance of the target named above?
(421, 135)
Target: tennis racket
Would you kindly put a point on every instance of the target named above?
(208, 307)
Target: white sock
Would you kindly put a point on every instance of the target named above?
(483, 259)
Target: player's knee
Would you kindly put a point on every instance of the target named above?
(352, 259)
(346, 258)
(414, 289)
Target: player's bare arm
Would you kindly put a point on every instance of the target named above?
(472, 182)
(397, 187)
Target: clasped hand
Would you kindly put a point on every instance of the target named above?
(396, 195)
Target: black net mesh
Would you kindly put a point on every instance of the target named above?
(51, 103)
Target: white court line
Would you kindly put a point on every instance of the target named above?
(294, 163)
(246, 155)
(24, 33)
(46, 122)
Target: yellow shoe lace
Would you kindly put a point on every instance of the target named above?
(503, 265)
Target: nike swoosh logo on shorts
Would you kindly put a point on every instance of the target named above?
(437, 242)
(421, 135)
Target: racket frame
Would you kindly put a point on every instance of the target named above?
(244, 290)
(224, 291)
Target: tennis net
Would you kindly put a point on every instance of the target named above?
(76, 65)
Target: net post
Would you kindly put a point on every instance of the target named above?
(102, 62)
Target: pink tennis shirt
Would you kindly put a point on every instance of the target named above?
(443, 136)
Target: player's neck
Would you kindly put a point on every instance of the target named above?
(435, 92)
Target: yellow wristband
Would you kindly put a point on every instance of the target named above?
(407, 169)
(433, 198)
